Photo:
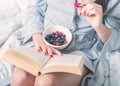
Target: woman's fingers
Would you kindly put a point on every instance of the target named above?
(41, 46)
(44, 49)
(88, 10)
(57, 52)
(38, 48)
(88, 6)
(37, 45)
(91, 13)
(83, 10)
(52, 51)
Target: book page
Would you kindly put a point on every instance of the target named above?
(65, 63)
(71, 60)
(33, 54)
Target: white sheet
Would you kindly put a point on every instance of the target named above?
(12, 19)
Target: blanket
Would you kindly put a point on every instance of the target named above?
(12, 18)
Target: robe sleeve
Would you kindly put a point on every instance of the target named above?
(112, 21)
(35, 18)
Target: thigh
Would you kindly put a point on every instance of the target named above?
(22, 78)
(59, 79)
(21, 73)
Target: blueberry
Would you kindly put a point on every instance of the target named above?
(46, 38)
(56, 36)
(51, 41)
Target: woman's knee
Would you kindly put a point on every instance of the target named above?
(45, 80)
(20, 78)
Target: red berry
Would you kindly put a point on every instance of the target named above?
(65, 42)
(57, 43)
(60, 33)
(57, 33)
(77, 5)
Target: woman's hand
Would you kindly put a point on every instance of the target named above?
(92, 12)
(94, 15)
(42, 47)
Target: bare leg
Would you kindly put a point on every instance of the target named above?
(59, 79)
(22, 78)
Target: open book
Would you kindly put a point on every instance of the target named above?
(36, 63)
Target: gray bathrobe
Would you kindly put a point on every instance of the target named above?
(102, 59)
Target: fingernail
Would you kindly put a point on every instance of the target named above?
(80, 14)
(39, 50)
(93, 15)
(45, 53)
(61, 53)
(80, 7)
(88, 14)
(79, 3)
(51, 56)
(84, 13)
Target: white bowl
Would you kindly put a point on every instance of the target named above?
(53, 28)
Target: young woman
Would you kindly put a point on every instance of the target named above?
(95, 25)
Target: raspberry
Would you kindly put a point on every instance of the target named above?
(57, 33)
(57, 43)
(65, 42)
(77, 5)
(60, 33)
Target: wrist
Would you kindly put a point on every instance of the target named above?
(99, 27)
(36, 35)
(103, 32)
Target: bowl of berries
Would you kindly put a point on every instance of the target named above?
(57, 36)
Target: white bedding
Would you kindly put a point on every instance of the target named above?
(12, 19)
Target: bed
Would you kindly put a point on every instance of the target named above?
(12, 18)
